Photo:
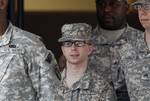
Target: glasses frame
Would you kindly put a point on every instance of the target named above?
(75, 43)
(145, 6)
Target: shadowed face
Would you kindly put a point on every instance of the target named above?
(3, 5)
(3, 16)
(111, 14)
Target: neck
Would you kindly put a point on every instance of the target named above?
(3, 26)
(147, 31)
(112, 35)
(111, 28)
(147, 37)
(75, 69)
(75, 72)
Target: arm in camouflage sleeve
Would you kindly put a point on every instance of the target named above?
(49, 78)
(42, 73)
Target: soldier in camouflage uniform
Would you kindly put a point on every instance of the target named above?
(135, 56)
(27, 68)
(111, 33)
(79, 81)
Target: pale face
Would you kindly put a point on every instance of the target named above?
(144, 17)
(75, 54)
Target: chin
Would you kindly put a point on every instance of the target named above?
(146, 26)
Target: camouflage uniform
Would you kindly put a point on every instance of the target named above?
(91, 87)
(135, 63)
(26, 67)
(107, 58)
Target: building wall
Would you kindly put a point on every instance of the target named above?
(60, 5)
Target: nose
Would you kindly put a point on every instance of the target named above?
(107, 7)
(73, 46)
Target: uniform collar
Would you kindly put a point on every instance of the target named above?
(144, 46)
(6, 37)
(104, 40)
(83, 83)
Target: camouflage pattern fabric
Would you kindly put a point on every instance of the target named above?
(139, 2)
(106, 56)
(91, 87)
(27, 68)
(75, 31)
(135, 63)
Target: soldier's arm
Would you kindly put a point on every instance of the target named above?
(49, 78)
(42, 73)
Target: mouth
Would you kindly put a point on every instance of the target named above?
(108, 18)
(143, 20)
(74, 55)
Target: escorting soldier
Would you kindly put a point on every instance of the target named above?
(27, 68)
(135, 56)
(110, 34)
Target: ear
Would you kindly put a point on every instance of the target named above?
(3, 4)
(62, 49)
(90, 49)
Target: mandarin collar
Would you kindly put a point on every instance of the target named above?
(83, 83)
(120, 41)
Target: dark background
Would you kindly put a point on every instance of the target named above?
(48, 25)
